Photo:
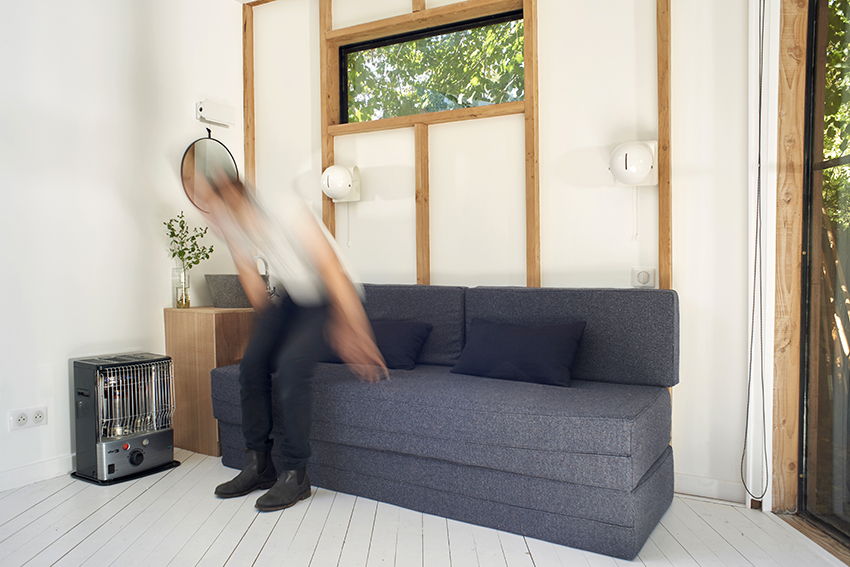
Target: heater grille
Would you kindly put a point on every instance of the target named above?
(135, 398)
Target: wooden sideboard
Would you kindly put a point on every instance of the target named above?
(199, 339)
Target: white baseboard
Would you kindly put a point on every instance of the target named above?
(51, 468)
(713, 488)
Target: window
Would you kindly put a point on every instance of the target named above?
(460, 66)
(825, 490)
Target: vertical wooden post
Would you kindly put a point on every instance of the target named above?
(532, 147)
(249, 132)
(329, 61)
(423, 211)
(665, 189)
(418, 5)
(789, 242)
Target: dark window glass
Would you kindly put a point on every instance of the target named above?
(826, 486)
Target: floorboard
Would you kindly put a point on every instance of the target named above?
(334, 531)
(435, 541)
(409, 543)
(516, 550)
(173, 518)
(206, 535)
(231, 535)
(358, 539)
(488, 547)
(462, 544)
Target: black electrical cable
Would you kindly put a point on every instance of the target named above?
(758, 286)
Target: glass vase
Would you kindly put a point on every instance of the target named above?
(180, 288)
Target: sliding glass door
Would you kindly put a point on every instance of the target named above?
(825, 489)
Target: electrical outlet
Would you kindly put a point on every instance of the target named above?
(39, 416)
(32, 417)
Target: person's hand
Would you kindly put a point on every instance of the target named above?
(354, 344)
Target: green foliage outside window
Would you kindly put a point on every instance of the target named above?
(459, 69)
(836, 180)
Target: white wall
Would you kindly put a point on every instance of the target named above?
(597, 88)
(710, 210)
(96, 108)
(101, 104)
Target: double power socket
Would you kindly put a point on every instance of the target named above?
(32, 417)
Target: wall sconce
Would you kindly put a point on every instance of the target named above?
(635, 163)
(342, 184)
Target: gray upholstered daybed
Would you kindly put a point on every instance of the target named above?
(588, 465)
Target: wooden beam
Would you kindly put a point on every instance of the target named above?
(665, 185)
(260, 2)
(423, 210)
(249, 131)
(418, 5)
(329, 72)
(789, 241)
(532, 148)
(442, 117)
(423, 19)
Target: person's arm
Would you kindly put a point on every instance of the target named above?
(349, 330)
(252, 282)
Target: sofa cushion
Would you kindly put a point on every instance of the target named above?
(440, 306)
(632, 335)
(542, 354)
(400, 341)
(593, 433)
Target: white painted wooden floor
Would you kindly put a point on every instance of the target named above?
(172, 518)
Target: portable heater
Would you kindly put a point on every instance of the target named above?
(124, 406)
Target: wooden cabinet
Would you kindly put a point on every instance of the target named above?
(197, 340)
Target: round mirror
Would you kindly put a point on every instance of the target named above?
(203, 160)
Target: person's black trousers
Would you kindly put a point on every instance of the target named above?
(279, 360)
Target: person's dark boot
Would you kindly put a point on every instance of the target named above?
(258, 473)
(292, 487)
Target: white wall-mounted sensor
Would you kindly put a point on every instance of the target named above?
(635, 163)
(342, 184)
(643, 277)
(215, 112)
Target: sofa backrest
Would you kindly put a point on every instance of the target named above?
(632, 335)
(441, 306)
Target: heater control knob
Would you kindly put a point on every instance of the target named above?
(136, 457)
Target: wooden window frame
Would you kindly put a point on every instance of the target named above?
(789, 255)
(421, 18)
(347, 49)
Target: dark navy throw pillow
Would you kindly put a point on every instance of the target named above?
(543, 354)
(400, 341)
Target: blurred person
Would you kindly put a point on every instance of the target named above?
(319, 303)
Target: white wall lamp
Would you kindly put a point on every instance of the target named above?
(635, 164)
(342, 184)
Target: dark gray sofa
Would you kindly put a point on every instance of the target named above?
(587, 466)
